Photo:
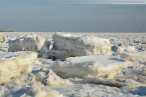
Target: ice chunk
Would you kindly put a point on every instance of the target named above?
(4, 92)
(134, 56)
(123, 48)
(1, 39)
(14, 64)
(137, 73)
(51, 79)
(27, 43)
(113, 82)
(98, 80)
(34, 90)
(44, 92)
(22, 80)
(74, 45)
(100, 65)
(132, 83)
(4, 45)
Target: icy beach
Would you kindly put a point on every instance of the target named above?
(61, 64)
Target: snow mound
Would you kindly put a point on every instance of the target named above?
(51, 79)
(14, 64)
(134, 56)
(74, 45)
(27, 43)
(104, 66)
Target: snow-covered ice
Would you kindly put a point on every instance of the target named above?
(104, 66)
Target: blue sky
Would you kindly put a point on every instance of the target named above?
(71, 16)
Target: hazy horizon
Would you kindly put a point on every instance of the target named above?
(43, 16)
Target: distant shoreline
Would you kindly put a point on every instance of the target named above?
(6, 31)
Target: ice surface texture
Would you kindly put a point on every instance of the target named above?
(14, 64)
(104, 66)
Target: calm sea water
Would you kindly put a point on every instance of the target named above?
(74, 18)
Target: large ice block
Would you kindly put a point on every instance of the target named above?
(100, 65)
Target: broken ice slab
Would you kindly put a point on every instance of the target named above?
(134, 56)
(113, 82)
(12, 64)
(99, 65)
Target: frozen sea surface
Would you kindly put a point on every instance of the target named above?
(24, 85)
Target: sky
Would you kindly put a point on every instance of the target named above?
(72, 16)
